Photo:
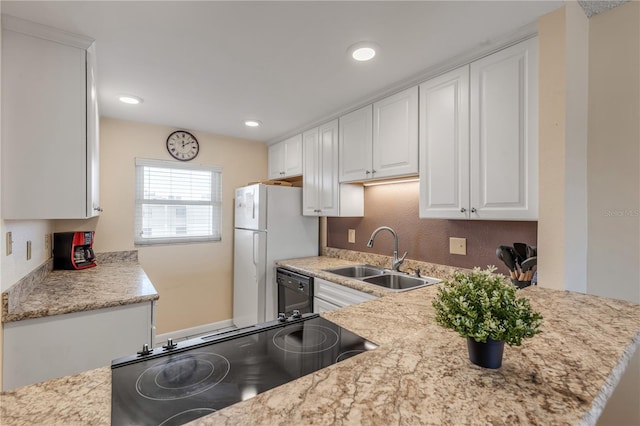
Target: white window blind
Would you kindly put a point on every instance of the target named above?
(177, 202)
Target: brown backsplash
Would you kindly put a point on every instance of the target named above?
(426, 240)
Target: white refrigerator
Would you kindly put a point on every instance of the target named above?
(269, 226)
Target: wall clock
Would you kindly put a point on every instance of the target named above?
(182, 145)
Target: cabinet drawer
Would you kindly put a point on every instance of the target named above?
(339, 295)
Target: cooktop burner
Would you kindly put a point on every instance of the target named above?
(179, 383)
(182, 376)
(305, 339)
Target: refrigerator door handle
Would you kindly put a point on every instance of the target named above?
(256, 247)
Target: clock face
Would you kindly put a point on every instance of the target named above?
(182, 145)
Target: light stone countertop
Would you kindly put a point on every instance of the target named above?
(420, 373)
(66, 291)
(315, 267)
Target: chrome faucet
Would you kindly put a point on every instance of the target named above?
(396, 262)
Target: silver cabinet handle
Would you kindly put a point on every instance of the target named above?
(98, 209)
(462, 210)
(473, 210)
(373, 171)
(367, 172)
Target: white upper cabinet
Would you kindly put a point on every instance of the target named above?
(322, 193)
(50, 153)
(444, 146)
(504, 134)
(395, 135)
(380, 140)
(285, 158)
(356, 145)
(479, 139)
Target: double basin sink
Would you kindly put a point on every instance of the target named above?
(392, 280)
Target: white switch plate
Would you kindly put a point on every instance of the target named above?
(458, 246)
(9, 244)
(352, 236)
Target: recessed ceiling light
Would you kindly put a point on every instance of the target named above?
(252, 123)
(363, 50)
(130, 99)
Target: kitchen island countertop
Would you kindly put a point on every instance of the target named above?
(420, 373)
(113, 282)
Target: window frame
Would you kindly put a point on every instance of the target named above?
(215, 202)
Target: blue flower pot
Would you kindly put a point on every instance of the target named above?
(487, 355)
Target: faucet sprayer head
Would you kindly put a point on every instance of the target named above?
(370, 243)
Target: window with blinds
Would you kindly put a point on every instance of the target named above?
(177, 202)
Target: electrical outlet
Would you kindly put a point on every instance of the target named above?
(28, 250)
(352, 236)
(458, 246)
(9, 243)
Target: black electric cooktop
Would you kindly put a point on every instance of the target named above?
(172, 386)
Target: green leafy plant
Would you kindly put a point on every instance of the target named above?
(482, 305)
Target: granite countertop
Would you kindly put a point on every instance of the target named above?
(315, 267)
(112, 282)
(419, 374)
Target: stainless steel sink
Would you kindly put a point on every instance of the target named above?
(392, 280)
(400, 282)
(357, 271)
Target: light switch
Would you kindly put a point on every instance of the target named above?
(458, 246)
(9, 243)
(352, 236)
(28, 250)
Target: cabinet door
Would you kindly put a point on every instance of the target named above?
(395, 135)
(504, 134)
(328, 166)
(311, 173)
(93, 138)
(444, 146)
(356, 136)
(45, 348)
(293, 156)
(44, 134)
(276, 161)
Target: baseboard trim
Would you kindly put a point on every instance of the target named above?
(188, 333)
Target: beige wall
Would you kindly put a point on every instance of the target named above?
(562, 232)
(551, 118)
(589, 228)
(614, 153)
(195, 281)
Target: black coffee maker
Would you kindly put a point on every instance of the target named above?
(73, 250)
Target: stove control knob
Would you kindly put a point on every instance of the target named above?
(282, 317)
(145, 350)
(296, 314)
(170, 344)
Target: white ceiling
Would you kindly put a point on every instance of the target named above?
(209, 65)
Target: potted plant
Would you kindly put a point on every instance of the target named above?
(484, 308)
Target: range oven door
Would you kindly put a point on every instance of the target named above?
(295, 292)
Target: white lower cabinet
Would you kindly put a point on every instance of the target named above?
(41, 349)
(329, 296)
